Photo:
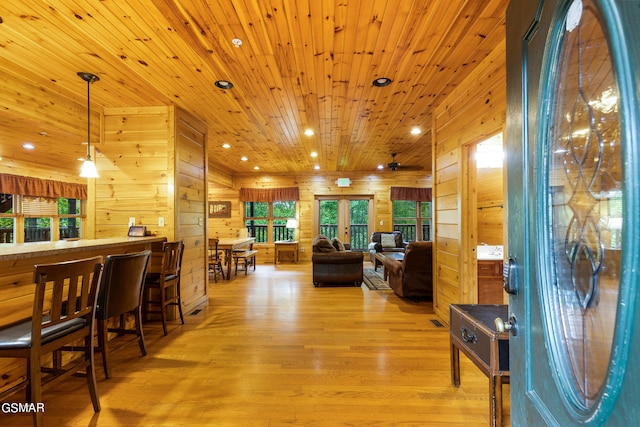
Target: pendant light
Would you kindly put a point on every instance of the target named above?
(88, 167)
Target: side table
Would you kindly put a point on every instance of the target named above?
(285, 246)
(472, 331)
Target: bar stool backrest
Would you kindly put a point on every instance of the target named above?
(122, 283)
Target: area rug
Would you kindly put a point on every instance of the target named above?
(373, 279)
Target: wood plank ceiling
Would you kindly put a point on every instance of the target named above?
(301, 65)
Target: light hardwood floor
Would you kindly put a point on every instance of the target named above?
(271, 350)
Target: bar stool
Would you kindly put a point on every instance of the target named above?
(63, 312)
(165, 284)
(215, 260)
(121, 288)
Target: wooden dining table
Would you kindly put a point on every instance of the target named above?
(229, 244)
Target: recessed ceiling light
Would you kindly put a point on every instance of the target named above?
(416, 131)
(309, 132)
(256, 168)
(225, 145)
(28, 146)
(236, 42)
(244, 158)
(380, 167)
(317, 167)
(224, 84)
(314, 154)
(382, 82)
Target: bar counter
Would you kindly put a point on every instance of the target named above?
(16, 278)
(17, 261)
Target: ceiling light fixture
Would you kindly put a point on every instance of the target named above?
(28, 146)
(314, 154)
(225, 145)
(236, 42)
(244, 158)
(382, 82)
(416, 131)
(224, 84)
(88, 167)
(309, 132)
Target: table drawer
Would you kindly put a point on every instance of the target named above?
(478, 335)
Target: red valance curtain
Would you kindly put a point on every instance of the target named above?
(35, 187)
(409, 193)
(269, 194)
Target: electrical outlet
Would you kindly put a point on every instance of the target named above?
(160, 221)
(301, 249)
(132, 221)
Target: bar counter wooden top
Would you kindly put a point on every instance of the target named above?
(67, 247)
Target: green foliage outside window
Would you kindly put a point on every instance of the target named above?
(258, 216)
(412, 218)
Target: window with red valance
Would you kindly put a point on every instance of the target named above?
(269, 194)
(35, 187)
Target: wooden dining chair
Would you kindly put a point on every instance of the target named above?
(63, 313)
(121, 287)
(162, 289)
(215, 260)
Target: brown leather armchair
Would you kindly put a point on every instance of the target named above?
(413, 276)
(331, 265)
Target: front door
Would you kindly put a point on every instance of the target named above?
(573, 179)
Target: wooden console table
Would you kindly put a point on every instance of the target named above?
(285, 246)
(472, 331)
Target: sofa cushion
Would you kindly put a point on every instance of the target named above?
(322, 244)
(338, 244)
(388, 240)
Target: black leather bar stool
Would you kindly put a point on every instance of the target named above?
(163, 287)
(121, 288)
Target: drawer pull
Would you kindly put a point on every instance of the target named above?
(466, 337)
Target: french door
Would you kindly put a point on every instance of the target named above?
(345, 217)
(573, 177)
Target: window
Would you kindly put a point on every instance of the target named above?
(69, 214)
(267, 221)
(7, 221)
(35, 218)
(413, 219)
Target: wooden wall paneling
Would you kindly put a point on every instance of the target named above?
(474, 110)
(469, 224)
(191, 206)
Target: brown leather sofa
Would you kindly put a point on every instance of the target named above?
(413, 276)
(331, 265)
(376, 244)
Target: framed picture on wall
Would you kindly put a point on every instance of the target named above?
(220, 209)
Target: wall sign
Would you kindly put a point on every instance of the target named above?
(220, 209)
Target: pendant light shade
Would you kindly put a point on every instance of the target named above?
(88, 167)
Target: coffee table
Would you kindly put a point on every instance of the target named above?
(379, 260)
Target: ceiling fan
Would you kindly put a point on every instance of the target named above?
(393, 165)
